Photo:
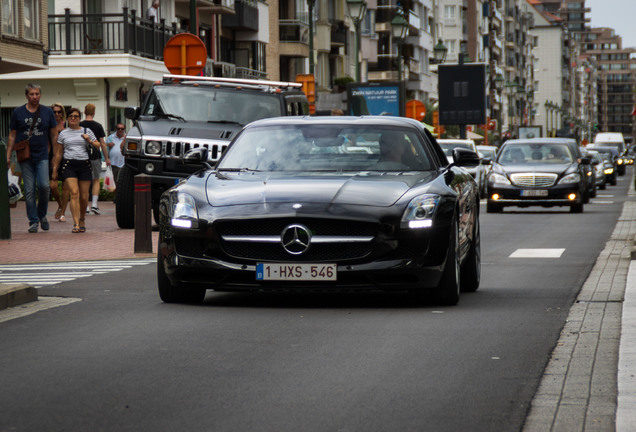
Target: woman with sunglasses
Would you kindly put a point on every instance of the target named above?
(62, 202)
(71, 157)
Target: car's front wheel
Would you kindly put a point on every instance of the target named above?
(470, 275)
(170, 293)
(125, 206)
(491, 207)
(449, 287)
(576, 208)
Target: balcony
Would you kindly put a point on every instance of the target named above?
(294, 30)
(245, 18)
(338, 33)
(108, 34)
(218, 7)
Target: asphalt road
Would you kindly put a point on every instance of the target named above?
(120, 360)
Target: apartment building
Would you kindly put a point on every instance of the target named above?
(109, 54)
(616, 83)
(23, 36)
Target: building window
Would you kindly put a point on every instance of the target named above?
(10, 17)
(31, 20)
(449, 15)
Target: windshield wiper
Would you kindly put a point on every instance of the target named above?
(226, 122)
(174, 116)
(238, 170)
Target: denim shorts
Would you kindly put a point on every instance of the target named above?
(79, 169)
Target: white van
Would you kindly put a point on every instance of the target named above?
(616, 140)
(613, 139)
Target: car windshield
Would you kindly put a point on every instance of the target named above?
(544, 153)
(210, 104)
(487, 153)
(326, 147)
(448, 147)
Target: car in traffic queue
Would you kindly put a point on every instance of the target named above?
(597, 162)
(537, 172)
(486, 154)
(611, 157)
(478, 172)
(293, 205)
(617, 141)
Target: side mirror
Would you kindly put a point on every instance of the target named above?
(132, 112)
(486, 161)
(465, 158)
(586, 160)
(196, 156)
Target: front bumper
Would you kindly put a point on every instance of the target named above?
(390, 266)
(557, 195)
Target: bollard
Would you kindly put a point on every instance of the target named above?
(143, 214)
(5, 212)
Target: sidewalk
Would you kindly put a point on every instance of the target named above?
(102, 239)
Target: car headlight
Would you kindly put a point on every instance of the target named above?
(183, 211)
(609, 171)
(620, 161)
(420, 211)
(153, 147)
(570, 178)
(498, 179)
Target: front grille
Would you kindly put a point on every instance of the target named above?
(317, 252)
(533, 179)
(177, 149)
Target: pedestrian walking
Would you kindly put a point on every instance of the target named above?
(115, 143)
(62, 201)
(71, 160)
(96, 164)
(34, 125)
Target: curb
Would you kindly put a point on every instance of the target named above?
(16, 294)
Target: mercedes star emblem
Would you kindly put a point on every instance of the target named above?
(295, 239)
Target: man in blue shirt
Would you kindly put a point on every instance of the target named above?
(35, 171)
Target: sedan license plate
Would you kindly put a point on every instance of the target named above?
(534, 193)
(296, 272)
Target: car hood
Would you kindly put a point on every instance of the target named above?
(361, 189)
(199, 130)
(534, 168)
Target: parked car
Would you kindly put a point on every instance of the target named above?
(610, 154)
(278, 212)
(537, 172)
(478, 172)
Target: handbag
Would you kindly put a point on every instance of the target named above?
(23, 148)
(93, 153)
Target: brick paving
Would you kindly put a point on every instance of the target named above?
(102, 239)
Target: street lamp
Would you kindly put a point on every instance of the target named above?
(357, 9)
(399, 27)
(311, 4)
(439, 52)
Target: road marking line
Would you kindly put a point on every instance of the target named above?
(41, 304)
(537, 253)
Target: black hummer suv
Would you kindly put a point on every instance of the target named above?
(184, 112)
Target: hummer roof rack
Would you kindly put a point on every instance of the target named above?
(234, 81)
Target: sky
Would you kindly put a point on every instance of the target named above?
(617, 14)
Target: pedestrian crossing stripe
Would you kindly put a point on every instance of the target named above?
(39, 275)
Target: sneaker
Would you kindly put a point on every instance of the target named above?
(95, 210)
(45, 224)
(88, 210)
(33, 228)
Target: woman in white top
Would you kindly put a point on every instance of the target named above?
(75, 166)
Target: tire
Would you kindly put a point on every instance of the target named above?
(586, 195)
(613, 182)
(447, 292)
(493, 208)
(576, 208)
(603, 185)
(470, 275)
(593, 193)
(125, 206)
(170, 293)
